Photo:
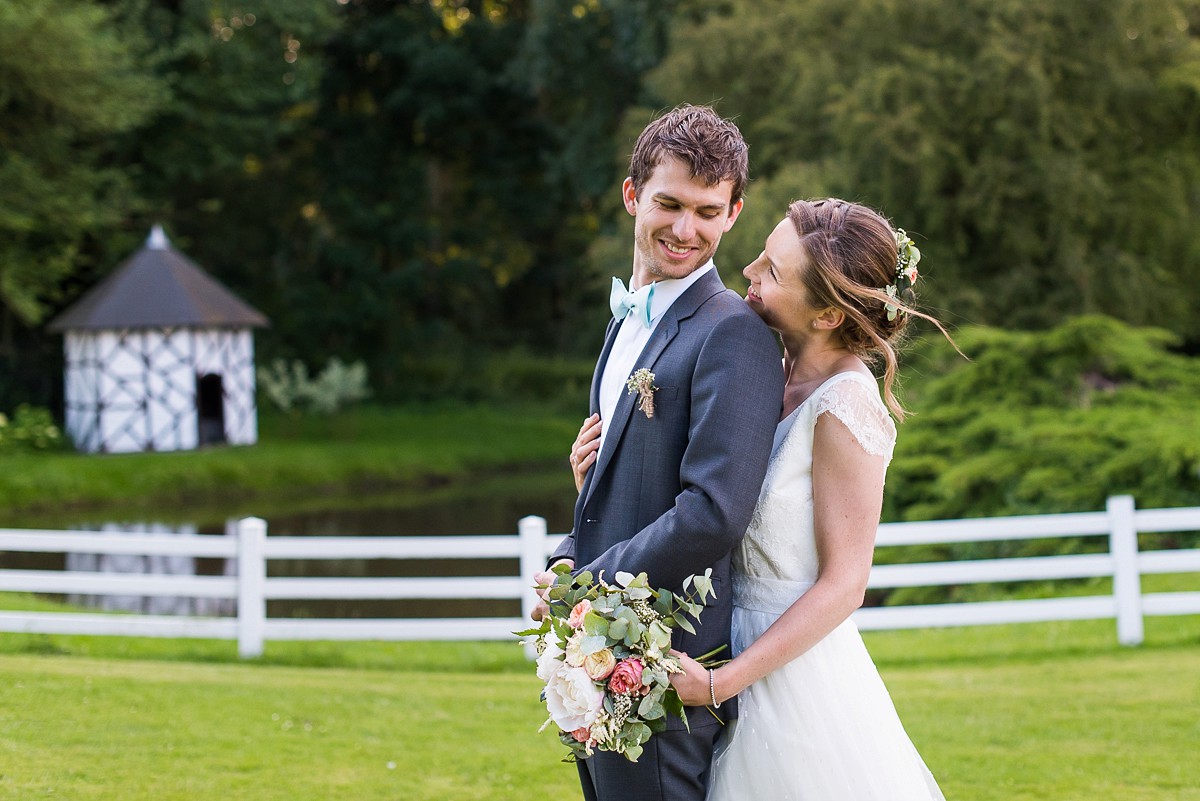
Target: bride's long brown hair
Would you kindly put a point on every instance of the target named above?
(852, 256)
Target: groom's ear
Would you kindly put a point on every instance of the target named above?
(629, 196)
(734, 211)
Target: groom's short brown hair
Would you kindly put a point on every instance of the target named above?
(696, 135)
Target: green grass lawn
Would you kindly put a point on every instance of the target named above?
(1035, 712)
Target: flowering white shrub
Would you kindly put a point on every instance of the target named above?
(289, 387)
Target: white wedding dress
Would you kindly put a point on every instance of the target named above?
(822, 727)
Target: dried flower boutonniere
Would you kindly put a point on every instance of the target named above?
(642, 382)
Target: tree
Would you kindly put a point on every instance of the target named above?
(72, 77)
(465, 145)
(1046, 154)
(227, 164)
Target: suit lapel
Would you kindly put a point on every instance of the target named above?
(610, 336)
(668, 328)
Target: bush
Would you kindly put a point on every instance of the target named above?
(1045, 422)
(290, 389)
(31, 429)
(517, 376)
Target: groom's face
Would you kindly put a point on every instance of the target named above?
(678, 221)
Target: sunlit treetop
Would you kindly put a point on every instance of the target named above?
(456, 13)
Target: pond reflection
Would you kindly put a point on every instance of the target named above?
(490, 507)
(151, 564)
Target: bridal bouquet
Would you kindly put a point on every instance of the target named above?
(604, 654)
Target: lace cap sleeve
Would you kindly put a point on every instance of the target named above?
(854, 399)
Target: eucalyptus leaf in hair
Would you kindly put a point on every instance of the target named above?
(907, 257)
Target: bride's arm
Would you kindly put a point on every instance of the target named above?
(847, 500)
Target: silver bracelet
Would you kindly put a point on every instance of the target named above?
(712, 690)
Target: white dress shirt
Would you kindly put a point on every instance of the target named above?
(631, 340)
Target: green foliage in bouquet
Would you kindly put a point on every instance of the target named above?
(604, 653)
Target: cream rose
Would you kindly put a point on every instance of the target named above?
(574, 656)
(600, 664)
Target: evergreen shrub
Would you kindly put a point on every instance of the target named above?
(1043, 422)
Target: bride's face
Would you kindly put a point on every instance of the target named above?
(776, 292)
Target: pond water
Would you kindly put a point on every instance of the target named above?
(485, 507)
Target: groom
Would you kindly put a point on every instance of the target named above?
(672, 491)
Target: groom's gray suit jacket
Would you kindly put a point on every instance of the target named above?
(672, 495)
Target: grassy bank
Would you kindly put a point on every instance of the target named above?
(364, 449)
(1021, 713)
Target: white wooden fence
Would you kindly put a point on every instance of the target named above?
(251, 588)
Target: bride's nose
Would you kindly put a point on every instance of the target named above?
(749, 270)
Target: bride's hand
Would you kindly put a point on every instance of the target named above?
(585, 449)
(692, 684)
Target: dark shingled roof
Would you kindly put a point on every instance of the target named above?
(158, 287)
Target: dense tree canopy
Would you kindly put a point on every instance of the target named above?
(1048, 154)
(73, 77)
(419, 183)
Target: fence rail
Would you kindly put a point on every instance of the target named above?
(251, 587)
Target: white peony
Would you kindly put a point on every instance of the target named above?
(573, 699)
(551, 659)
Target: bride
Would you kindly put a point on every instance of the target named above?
(815, 719)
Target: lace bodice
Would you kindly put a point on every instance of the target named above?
(779, 543)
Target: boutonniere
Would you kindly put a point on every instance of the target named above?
(642, 382)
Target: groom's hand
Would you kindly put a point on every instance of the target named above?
(542, 583)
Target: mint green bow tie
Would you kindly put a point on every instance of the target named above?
(622, 302)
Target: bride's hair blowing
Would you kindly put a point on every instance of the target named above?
(852, 260)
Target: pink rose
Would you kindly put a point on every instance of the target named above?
(581, 609)
(581, 735)
(626, 678)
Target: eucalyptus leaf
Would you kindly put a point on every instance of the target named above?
(650, 708)
(640, 732)
(659, 635)
(595, 624)
(592, 645)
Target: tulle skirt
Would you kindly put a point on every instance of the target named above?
(821, 728)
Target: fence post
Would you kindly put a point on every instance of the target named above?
(532, 532)
(251, 584)
(1127, 580)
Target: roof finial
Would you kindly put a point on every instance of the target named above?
(157, 239)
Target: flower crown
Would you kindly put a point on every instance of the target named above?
(907, 257)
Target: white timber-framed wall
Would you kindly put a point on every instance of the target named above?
(137, 390)
(159, 357)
